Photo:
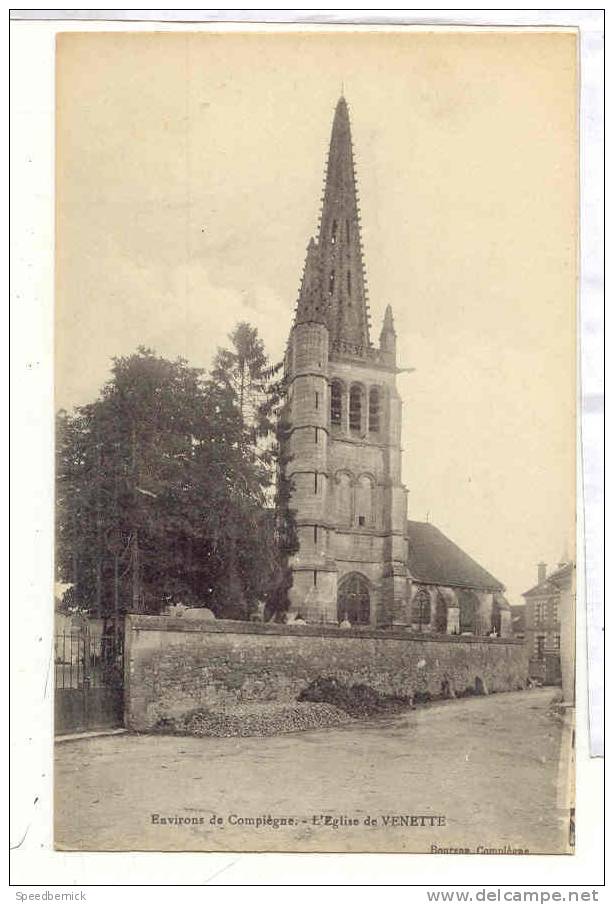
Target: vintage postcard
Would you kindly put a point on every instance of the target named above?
(316, 429)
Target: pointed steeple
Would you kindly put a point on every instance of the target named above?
(339, 244)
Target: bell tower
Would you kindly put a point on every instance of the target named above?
(345, 424)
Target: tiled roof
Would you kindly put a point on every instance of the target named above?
(435, 559)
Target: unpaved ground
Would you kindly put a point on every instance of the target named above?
(489, 766)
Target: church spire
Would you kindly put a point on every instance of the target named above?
(339, 244)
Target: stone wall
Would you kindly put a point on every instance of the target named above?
(174, 666)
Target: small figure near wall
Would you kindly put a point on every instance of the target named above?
(257, 614)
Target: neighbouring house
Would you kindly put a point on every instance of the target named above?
(549, 625)
(360, 559)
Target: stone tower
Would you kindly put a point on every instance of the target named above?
(345, 424)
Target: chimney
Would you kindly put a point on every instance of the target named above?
(541, 572)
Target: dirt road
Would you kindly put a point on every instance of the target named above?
(461, 774)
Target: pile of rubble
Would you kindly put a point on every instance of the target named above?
(360, 701)
(271, 718)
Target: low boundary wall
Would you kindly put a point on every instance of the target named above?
(174, 665)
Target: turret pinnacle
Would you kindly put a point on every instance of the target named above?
(388, 325)
(388, 337)
(311, 305)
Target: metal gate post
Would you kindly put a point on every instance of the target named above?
(86, 677)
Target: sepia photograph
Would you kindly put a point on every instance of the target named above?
(315, 402)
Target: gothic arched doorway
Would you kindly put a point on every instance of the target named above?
(353, 599)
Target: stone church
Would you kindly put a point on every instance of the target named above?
(360, 559)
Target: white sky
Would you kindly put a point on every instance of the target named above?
(189, 174)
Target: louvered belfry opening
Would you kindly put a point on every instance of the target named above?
(356, 409)
(374, 410)
(336, 402)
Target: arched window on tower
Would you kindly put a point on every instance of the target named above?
(331, 282)
(333, 236)
(356, 409)
(349, 283)
(374, 410)
(336, 396)
(344, 500)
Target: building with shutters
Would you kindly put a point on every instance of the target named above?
(549, 625)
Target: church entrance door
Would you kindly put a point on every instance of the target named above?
(353, 599)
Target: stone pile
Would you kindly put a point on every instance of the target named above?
(271, 718)
(359, 700)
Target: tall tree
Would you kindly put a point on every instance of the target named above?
(164, 485)
(122, 471)
(243, 370)
(243, 375)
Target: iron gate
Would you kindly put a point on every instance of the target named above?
(89, 680)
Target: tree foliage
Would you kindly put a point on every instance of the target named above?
(170, 487)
